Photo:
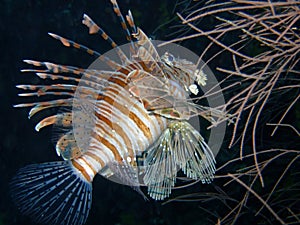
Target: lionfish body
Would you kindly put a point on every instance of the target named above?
(129, 123)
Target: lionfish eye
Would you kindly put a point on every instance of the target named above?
(170, 58)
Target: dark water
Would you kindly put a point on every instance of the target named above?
(24, 26)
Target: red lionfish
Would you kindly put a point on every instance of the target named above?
(106, 136)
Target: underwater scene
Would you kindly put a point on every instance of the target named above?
(175, 112)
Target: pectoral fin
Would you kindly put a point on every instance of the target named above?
(180, 146)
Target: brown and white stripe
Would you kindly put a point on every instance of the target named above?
(123, 128)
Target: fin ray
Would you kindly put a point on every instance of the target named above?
(52, 193)
(180, 146)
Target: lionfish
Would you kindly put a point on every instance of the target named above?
(129, 122)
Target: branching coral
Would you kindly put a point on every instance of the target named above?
(258, 45)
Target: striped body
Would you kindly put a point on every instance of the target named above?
(123, 129)
(129, 123)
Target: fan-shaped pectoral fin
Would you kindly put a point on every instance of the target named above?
(180, 146)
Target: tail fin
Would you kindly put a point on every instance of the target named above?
(52, 193)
